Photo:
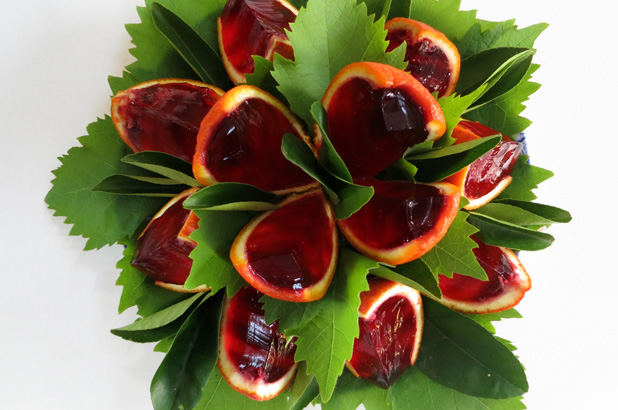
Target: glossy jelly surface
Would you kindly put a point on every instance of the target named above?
(372, 128)
(426, 62)
(398, 213)
(165, 117)
(292, 248)
(255, 348)
(249, 27)
(160, 253)
(383, 350)
(246, 147)
(500, 271)
(485, 173)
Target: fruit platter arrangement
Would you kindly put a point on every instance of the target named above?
(320, 202)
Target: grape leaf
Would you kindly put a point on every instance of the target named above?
(211, 257)
(486, 319)
(415, 391)
(352, 391)
(503, 34)
(453, 108)
(185, 370)
(326, 37)
(100, 217)
(159, 325)
(262, 78)
(453, 254)
(326, 328)
(444, 15)
(140, 290)
(526, 177)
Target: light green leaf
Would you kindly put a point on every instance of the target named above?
(526, 177)
(453, 254)
(164, 164)
(326, 37)
(326, 328)
(503, 34)
(444, 15)
(486, 320)
(100, 217)
(453, 107)
(211, 257)
(262, 77)
(460, 354)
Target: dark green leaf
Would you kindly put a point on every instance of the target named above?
(440, 163)
(422, 280)
(399, 8)
(326, 37)
(304, 390)
(379, 8)
(453, 254)
(415, 391)
(164, 164)
(159, 325)
(100, 217)
(140, 290)
(211, 257)
(231, 196)
(164, 345)
(185, 370)
(526, 177)
(460, 354)
(550, 213)
(479, 68)
(346, 197)
(326, 328)
(203, 60)
(329, 158)
(499, 233)
(128, 185)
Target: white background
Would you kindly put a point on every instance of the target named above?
(58, 303)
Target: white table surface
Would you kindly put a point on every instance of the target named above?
(58, 303)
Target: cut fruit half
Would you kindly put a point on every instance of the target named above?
(164, 246)
(432, 58)
(488, 176)
(508, 282)
(391, 328)
(290, 253)
(253, 27)
(253, 357)
(240, 141)
(376, 112)
(163, 115)
(402, 221)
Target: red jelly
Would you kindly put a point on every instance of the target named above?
(163, 248)
(163, 116)
(487, 172)
(254, 27)
(290, 253)
(372, 128)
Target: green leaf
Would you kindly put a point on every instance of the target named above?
(262, 77)
(326, 37)
(440, 163)
(460, 354)
(516, 213)
(453, 254)
(503, 113)
(304, 390)
(185, 370)
(100, 217)
(218, 395)
(129, 185)
(211, 257)
(503, 34)
(203, 60)
(399, 8)
(164, 164)
(165, 345)
(159, 325)
(500, 233)
(443, 15)
(326, 328)
(550, 213)
(156, 57)
(486, 320)
(453, 107)
(379, 8)
(353, 391)
(140, 290)
(417, 276)
(526, 177)
(415, 391)
(329, 158)
(346, 197)
(231, 196)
